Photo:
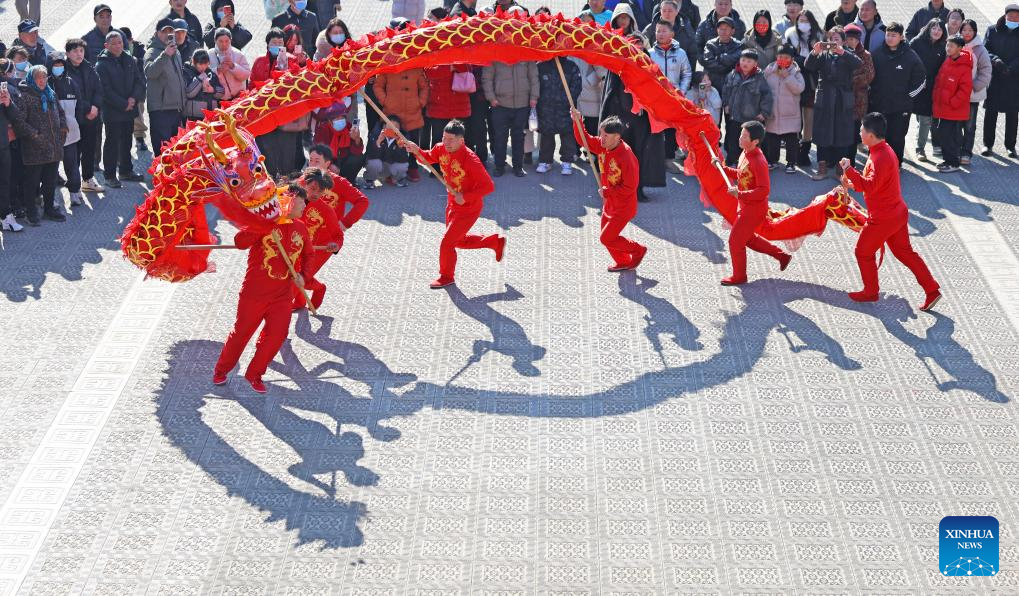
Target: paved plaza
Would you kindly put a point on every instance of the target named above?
(543, 427)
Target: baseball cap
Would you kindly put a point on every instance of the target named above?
(726, 21)
(180, 25)
(748, 53)
(27, 26)
(100, 8)
(1012, 7)
(164, 23)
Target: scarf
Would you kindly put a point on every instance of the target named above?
(47, 97)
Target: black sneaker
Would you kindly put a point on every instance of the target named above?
(33, 218)
(987, 152)
(1012, 153)
(113, 182)
(132, 177)
(499, 172)
(141, 146)
(519, 172)
(54, 215)
(947, 168)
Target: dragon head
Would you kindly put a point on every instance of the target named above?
(244, 193)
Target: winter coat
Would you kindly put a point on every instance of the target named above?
(765, 53)
(647, 146)
(404, 94)
(624, 8)
(862, 77)
(37, 56)
(953, 88)
(553, 106)
(874, 37)
(803, 47)
(194, 25)
(340, 142)
(89, 85)
(1002, 45)
(239, 35)
(711, 102)
(745, 98)
(720, 58)
(461, 8)
(708, 29)
(233, 80)
(325, 10)
(69, 96)
(165, 76)
(197, 98)
(40, 133)
(307, 22)
(266, 64)
(443, 102)
(8, 114)
(837, 17)
(387, 152)
(95, 43)
(833, 107)
(121, 80)
(324, 47)
(932, 56)
(512, 85)
(592, 80)
(982, 69)
(674, 64)
(684, 34)
(641, 11)
(924, 16)
(899, 77)
(785, 93)
(783, 26)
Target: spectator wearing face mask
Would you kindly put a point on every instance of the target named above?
(335, 35)
(338, 129)
(298, 15)
(275, 59)
(762, 39)
(69, 96)
(202, 87)
(224, 16)
(783, 125)
(1002, 43)
(19, 62)
(230, 65)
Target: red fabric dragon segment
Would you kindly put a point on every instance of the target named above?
(170, 213)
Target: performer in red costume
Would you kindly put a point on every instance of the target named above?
(342, 193)
(620, 178)
(753, 185)
(323, 229)
(887, 215)
(469, 183)
(266, 292)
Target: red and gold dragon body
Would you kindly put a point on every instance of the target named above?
(185, 177)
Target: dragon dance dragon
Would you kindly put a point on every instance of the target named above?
(217, 161)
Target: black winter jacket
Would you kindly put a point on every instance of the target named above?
(89, 84)
(932, 56)
(1002, 44)
(121, 80)
(240, 36)
(924, 16)
(899, 77)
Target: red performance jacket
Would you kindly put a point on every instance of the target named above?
(464, 173)
(751, 177)
(879, 184)
(323, 227)
(267, 277)
(952, 88)
(344, 193)
(620, 175)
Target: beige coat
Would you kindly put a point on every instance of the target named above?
(785, 94)
(512, 85)
(233, 80)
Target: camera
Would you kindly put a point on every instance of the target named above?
(702, 85)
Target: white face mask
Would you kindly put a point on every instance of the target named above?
(804, 27)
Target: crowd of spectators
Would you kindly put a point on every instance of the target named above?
(84, 104)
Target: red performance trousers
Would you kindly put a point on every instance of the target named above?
(250, 314)
(620, 247)
(458, 223)
(312, 285)
(896, 234)
(749, 217)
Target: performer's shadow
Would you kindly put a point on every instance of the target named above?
(663, 318)
(508, 336)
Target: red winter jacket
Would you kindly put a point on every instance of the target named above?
(953, 87)
(443, 102)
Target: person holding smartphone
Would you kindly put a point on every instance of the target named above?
(833, 107)
(224, 16)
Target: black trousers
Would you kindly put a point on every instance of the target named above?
(969, 130)
(6, 202)
(898, 125)
(278, 148)
(350, 166)
(773, 144)
(950, 135)
(432, 132)
(591, 125)
(71, 167)
(117, 148)
(40, 179)
(477, 130)
(991, 126)
(733, 129)
(508, 124)
(163, 125)
(87, 147)
(567, 147)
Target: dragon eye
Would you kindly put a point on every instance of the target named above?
(259, 169)
(235, 183)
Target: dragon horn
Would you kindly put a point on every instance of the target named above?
(231, 127)
(216, 150)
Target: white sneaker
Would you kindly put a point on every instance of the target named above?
(567, 169)
(9, 224)
(76, 199)
(543, 167)
(91, 185)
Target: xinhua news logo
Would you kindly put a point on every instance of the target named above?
(968, 545)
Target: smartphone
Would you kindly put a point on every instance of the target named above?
(227, 10)
(3, 87)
